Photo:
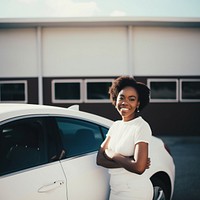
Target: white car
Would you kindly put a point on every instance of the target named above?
(49, 153)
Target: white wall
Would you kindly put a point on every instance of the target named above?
(100, 51)
(18, 53)
(85, 51)
(166, 51)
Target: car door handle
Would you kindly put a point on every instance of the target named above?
(51, 186)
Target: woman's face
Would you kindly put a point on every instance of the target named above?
(127, 103)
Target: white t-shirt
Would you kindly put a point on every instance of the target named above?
(125, 135)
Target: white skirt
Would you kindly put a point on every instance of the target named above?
(130, 187)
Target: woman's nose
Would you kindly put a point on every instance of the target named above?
(124, 102)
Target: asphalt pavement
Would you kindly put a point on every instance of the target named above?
(186, 154)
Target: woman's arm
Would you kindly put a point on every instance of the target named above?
(102, 159)
(140, 162)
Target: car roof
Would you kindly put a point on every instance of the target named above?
(10, 110)
(7, 107)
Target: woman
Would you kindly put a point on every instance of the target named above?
(125, 149)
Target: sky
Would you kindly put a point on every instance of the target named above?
(98, 8)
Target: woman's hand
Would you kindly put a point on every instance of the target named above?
(148, 163)
(139, 161)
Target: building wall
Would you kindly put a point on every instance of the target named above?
(103, 51)
(18, 53)
(166, 51)
(106, 52)
(84, 51)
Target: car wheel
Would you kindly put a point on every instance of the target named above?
(160, 191)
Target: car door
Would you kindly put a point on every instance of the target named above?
(81, 140)
(29, 166)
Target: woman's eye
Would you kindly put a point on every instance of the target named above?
(120, 98)
(132, 99)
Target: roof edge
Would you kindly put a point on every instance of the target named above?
(99, 21)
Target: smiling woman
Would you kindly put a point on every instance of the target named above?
(125, 150)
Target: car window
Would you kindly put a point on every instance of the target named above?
(104, 131)
(78, 136)
(23, 144)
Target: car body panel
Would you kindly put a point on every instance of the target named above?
(40, 183)
(84, 179)
(160, 158)
(72, 178)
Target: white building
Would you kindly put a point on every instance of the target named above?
(73, 61)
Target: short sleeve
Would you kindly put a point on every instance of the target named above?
(111, 129)
(144, 133)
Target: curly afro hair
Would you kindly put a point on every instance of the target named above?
(124, 81)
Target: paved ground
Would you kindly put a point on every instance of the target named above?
(186, 154)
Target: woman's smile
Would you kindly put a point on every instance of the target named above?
(124, 109)
(127, 103)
